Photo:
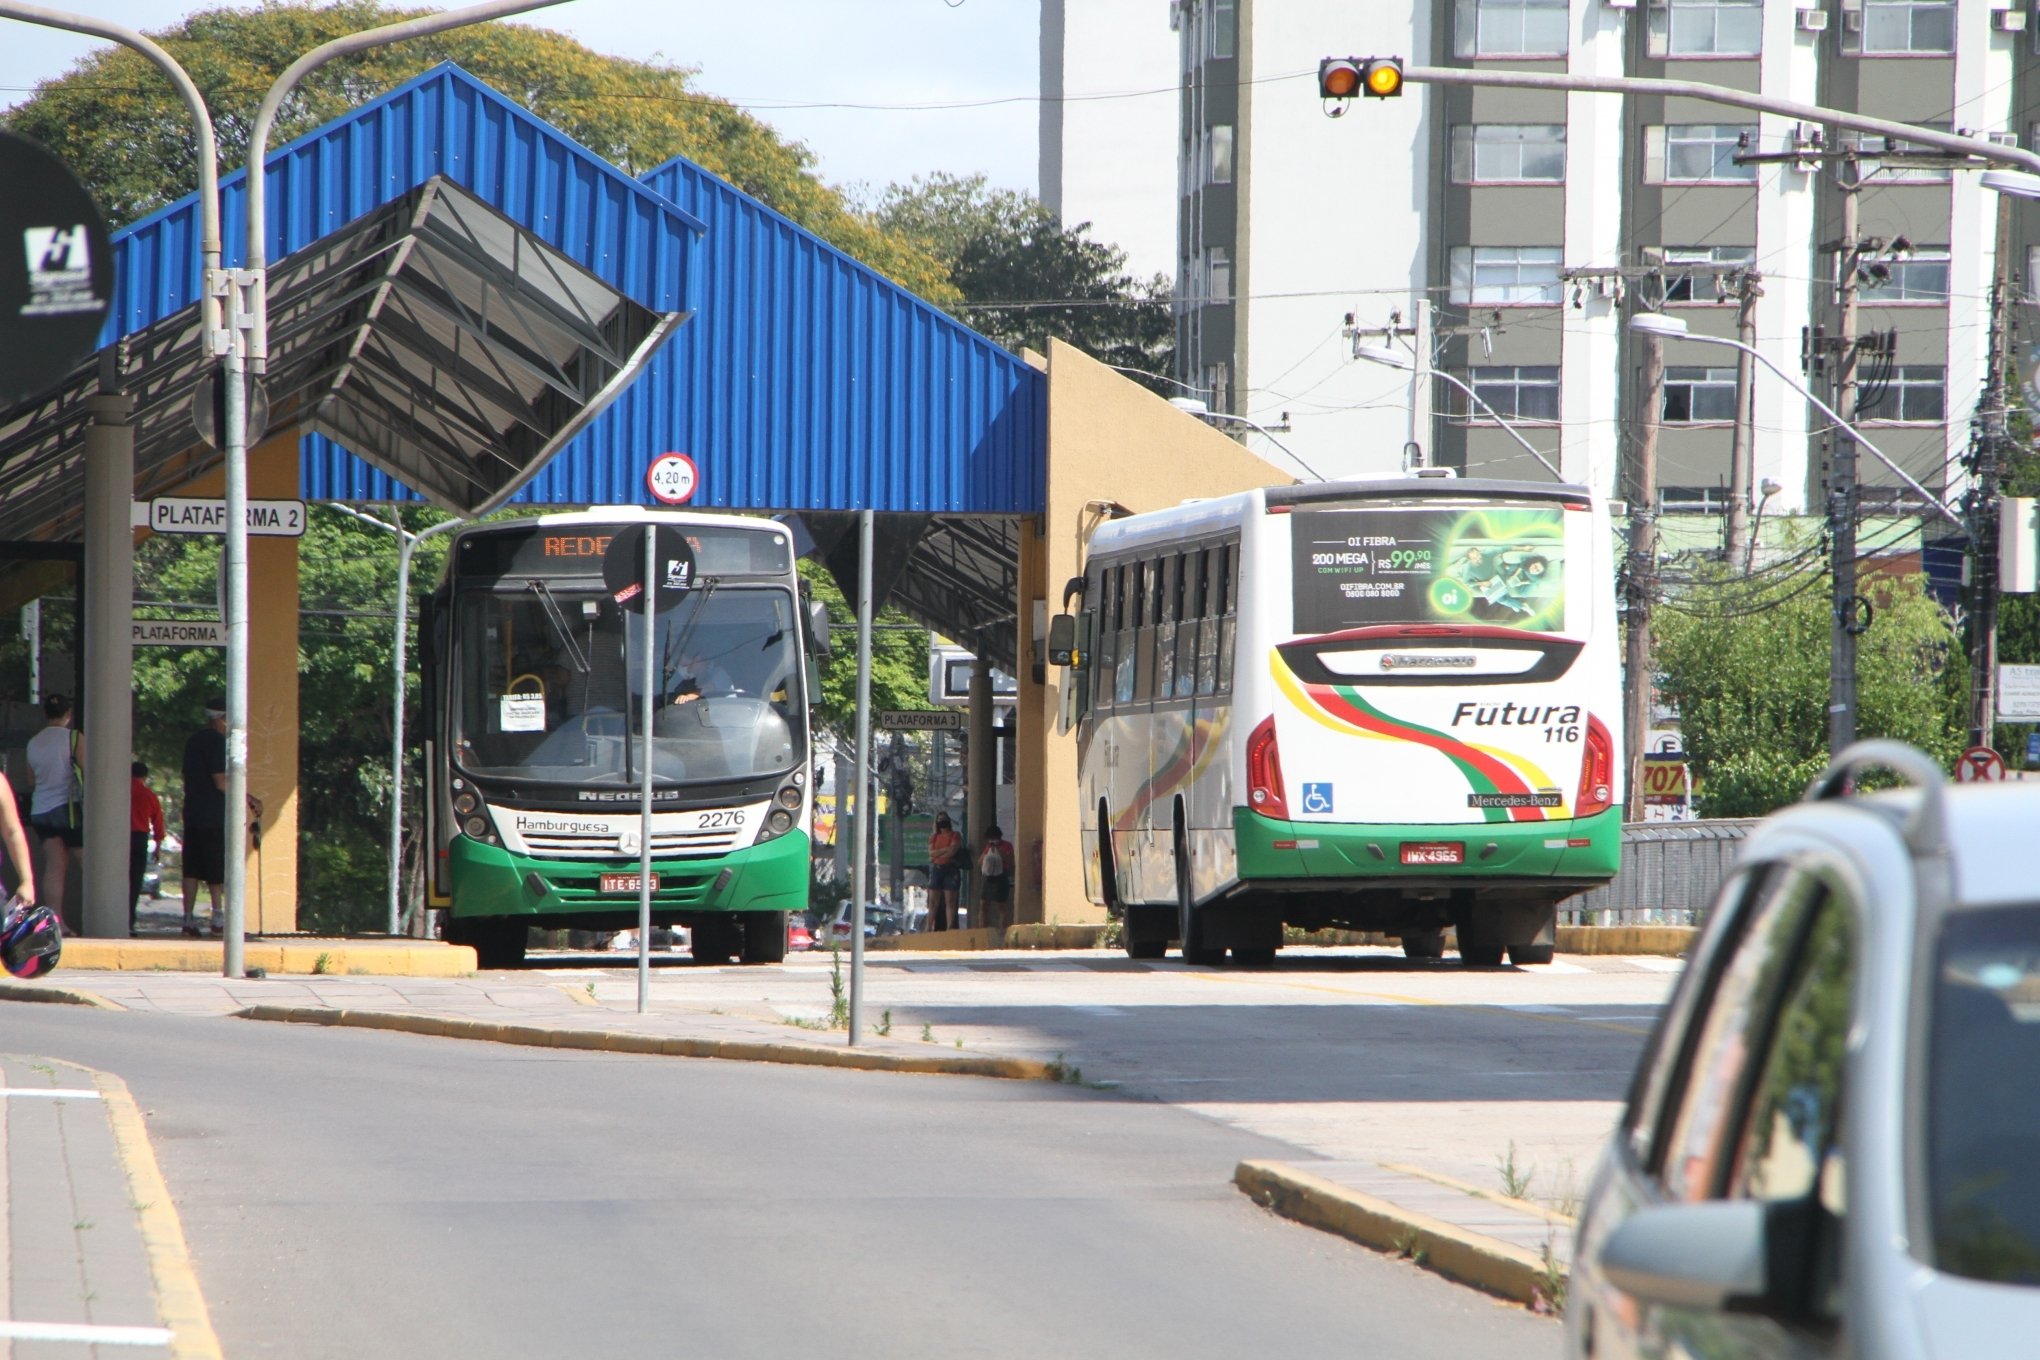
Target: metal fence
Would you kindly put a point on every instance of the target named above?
(1670, 871)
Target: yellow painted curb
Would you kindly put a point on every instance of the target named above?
(962, 940)
(672, 1046)
(1498, 1268)
(1667, 941)
(63, 996)
(1522, 1206)
(339, 957)
(178, 1297)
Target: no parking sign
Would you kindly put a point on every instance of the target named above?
(672, 478)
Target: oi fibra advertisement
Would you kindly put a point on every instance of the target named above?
(1372, 565)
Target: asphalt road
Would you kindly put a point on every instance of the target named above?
(353, 1194)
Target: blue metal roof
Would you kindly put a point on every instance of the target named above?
(803, 381)
(443, 122)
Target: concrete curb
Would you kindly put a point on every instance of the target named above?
(340, 957)
(1665, 941)
(1471, 1258)
(670, 1046)
(179, 1300)
(62, 996)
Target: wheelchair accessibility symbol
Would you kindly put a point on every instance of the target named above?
(1317, 798)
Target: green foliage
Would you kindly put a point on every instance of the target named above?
(899, 660)
(1746, 665)
(119, 124)
(1004, 247)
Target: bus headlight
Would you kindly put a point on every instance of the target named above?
(466, 804)
(477, 827)
(776, 823)
(789, 797)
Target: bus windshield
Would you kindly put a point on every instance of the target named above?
(1488, 564)
(550, 685)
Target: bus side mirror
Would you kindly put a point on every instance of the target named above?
(1062, 641)
(818, 629)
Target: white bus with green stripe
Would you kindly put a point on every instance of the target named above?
(1385, 705)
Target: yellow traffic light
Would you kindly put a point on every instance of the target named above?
(1383, 77)
(1338, 78)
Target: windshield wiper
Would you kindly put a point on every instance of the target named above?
(559, 623)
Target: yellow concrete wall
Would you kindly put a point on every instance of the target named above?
(1110, 440)
(272, 684)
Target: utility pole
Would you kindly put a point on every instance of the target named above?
(1639, 673)
(1741, 449)
(1846, 623)
(1990, 436)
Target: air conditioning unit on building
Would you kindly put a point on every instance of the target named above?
(2004, 138)
(2008, 20)
(1811, 20)
(1852, 21)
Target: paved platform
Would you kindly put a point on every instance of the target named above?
(92, 1258)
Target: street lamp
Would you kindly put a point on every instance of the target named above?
(1395, 358)
(1770, 486)
(1674, 328)
(1198, 407)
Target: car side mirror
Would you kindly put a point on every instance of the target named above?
(1724, 1256)
(818, 629)
(1062, 641)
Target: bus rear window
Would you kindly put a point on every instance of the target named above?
(1490, 566)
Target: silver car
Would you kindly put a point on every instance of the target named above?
(1832, 1146)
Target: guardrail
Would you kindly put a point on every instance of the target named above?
(1670, 871)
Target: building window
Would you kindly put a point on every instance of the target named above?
(1695, 395)
(1884, 157)
(1707, 28)
(1218, 153)
(1510, 391)
(1921, 277)
(1509, 28)
(1218, 386)
(1907, 26)
(1225, 23)
(1505, 276)
(1697, 153)
(1218, 275)
(1692, 500)
(1508, 153)
(1916, 393)
(1701, 274)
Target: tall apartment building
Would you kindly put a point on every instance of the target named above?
(1534, 223)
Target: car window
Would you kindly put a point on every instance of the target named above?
(1732, 1033)
(1790, 1133)
(1983, 1106)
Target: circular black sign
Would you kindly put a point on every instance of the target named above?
(623, 568)
(56, 270)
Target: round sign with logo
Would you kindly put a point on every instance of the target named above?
(672, 478)
(623, 568)
(56, 270)
(1979, 765)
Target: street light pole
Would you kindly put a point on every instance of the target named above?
(1197, 407)
(1382, 354)
(1639, 673)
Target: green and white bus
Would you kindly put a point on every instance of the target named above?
(1388, 705)
(532, 665)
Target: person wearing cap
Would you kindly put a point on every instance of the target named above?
(205, 815)
(55, 756)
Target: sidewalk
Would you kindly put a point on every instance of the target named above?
(1510, 1248)
(91, 1253)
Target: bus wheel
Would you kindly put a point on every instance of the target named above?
(1480, 955)
(1423, 944)
(498, 944)
(1146, 931)
(765, 937)
(714, 941)
(1521, 954)
(1195, 950)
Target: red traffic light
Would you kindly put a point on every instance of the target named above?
(1345, 77)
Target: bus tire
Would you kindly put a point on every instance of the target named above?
(715, 940)
(1190, 923)
(498, 944)
(765, 937)
(1521, 954)
(1480, 955)
(1423, 944)
(1147, 931)
(1261, 956)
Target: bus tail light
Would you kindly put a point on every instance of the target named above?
(1597, 771)
(1264, 771)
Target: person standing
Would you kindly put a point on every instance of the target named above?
(145, 819)
(945, 872)
(995, 878)
(55, 756)
(205, 816)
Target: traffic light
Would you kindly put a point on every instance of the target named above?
(1345, 77)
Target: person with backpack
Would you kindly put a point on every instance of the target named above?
(995, 878)
(56, 755)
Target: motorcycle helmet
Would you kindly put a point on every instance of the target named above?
(31, 939)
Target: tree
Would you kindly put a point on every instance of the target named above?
(1024, 276)
(116, 121)
(899, 661)
(1746, 665)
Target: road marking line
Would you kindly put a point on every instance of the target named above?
(6, 1091)
(84, 1334)
(1504, 1008)
(1657, 965)
(179, 1300)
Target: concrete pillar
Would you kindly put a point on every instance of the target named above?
(108, 715)
(981, 796)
